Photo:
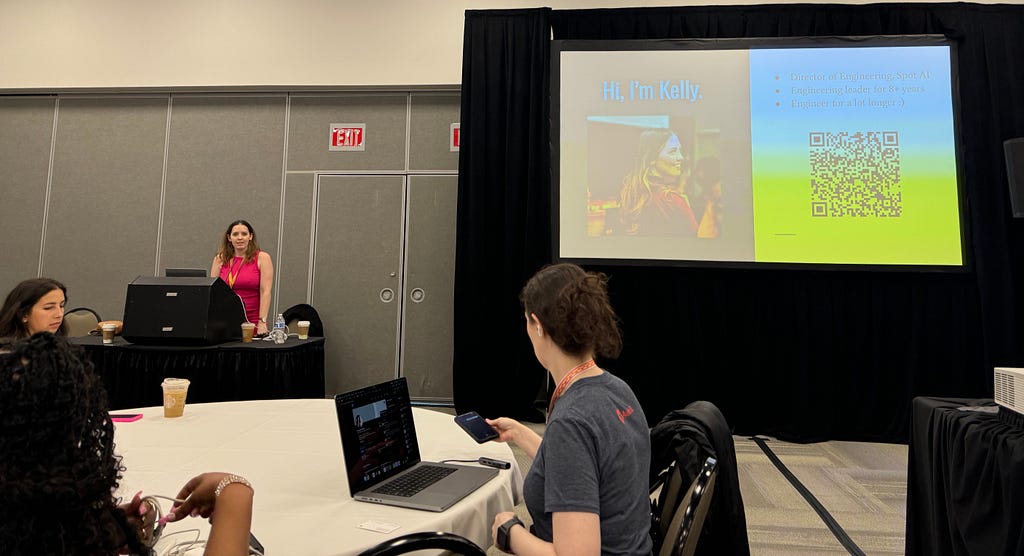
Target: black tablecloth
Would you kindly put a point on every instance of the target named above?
(965, 479)
(227, 372)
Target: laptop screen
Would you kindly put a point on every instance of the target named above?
(377, 433)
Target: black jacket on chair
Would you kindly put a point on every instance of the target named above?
(302, 311)
(689, 436)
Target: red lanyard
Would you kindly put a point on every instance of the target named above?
(567, 379)
(233, 272)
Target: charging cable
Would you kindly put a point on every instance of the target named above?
(489, 462)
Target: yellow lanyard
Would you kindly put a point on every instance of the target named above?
(233, 272)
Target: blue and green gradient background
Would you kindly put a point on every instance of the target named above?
(928, 230)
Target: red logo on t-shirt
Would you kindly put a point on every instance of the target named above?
(622, 414)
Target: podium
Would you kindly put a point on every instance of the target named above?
(183, 311)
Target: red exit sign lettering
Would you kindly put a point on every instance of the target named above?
(453, 138)
(348, 137)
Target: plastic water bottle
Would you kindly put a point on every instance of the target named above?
(279, 335)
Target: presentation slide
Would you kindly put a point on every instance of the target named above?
(825, 153)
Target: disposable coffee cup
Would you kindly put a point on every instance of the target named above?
(248, 329)
(303, 329)
(175, 390)
(108, 333)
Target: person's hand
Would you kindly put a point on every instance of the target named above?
(505, 427)
(261, 328)
(199, 495)
(141, 518)
(498, 521)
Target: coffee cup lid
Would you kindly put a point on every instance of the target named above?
(175, 382)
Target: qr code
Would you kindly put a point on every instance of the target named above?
(855, 174)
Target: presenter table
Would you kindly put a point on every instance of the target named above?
(231, 371)
(291, 452)
(965, 479)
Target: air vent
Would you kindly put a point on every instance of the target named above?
(1008, 383)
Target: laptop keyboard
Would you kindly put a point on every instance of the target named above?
(416, 480)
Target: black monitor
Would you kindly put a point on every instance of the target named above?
(185, 272)
(161, 310)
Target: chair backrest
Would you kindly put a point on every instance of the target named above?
(302, 311)
(689, 436)
(423, 541)
(665, 496)
(683, 530)
(80, 321)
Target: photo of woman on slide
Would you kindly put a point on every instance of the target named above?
(652, 201)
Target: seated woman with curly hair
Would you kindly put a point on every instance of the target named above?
(59, 472)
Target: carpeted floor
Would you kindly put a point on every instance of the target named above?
(862, 485)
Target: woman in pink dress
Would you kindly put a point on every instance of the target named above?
(247, 270)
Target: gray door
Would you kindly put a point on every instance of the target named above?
(357, 276)
(428, 320)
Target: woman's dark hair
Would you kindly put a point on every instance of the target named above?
(227, 250)
(58, 471)
(572, 304)
(19, 304)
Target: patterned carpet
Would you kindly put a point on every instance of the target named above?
(863, 485)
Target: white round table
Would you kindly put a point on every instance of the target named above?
(291, 452)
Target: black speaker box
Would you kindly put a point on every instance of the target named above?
(160, 310)
(1014, 151)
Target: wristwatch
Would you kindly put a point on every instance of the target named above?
(263, 320)
(504, 539)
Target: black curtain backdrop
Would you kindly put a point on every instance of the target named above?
(804, 355)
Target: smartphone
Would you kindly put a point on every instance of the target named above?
(475, 425)
(125, 417)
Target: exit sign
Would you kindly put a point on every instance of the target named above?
(348, 137)
(453, 138)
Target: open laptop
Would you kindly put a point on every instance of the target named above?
(185, 272)
(382, 455)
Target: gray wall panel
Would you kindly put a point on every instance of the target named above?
(224, 163)
(430, 123)
(123, 203)
(427, 343)
(293, 270)
(358, 253)
(311, 118)
(105, 196)
(26, 128)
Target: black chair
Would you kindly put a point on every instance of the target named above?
(80, 321)
(425, 541)
(688, 437)
(683, 531)
(666, 492)
(303, 311)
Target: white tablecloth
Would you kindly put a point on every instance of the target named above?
(291, 451)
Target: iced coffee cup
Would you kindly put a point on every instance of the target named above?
(248, 329)
(303, 329)
(108, 333)
(175, 390)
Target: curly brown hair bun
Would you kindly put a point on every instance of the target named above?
(573, 306)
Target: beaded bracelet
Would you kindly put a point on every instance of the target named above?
(229, 479)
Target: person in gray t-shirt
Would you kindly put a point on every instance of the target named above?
(587, 488)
